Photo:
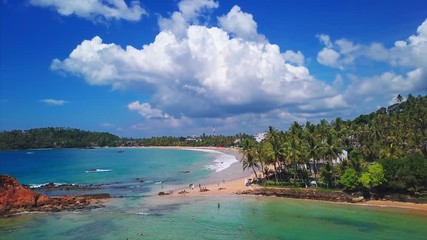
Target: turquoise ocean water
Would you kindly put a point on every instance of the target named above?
(135, 209)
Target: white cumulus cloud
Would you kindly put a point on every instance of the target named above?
(337, 54)
(329, 57)
(145, 110)
(54, 102)
(240, 24)
(95, 9)
(189, 13)
(200, 71)
(294, 57)
(413, 51)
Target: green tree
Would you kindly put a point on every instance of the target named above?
(349, 180)
(249, 161)
(374, 176)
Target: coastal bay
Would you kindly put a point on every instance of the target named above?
(196, 215)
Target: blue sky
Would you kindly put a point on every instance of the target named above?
(153, 68)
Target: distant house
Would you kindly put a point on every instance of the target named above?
(190, 140)
(259, 137)
(321, 162)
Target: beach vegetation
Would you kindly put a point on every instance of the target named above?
(382, 152)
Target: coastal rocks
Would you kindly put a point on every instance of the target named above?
(303, 194)
(64, 187)
(141, 180)
(14, 198)
(184, 171)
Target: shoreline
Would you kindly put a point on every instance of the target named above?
(231, 181)
(236, 185)
(225, 182)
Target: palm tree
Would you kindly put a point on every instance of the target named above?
(399, 98)
(274, 149)
(249, 161)
(312, 151)
(293, 153)
(330, 150)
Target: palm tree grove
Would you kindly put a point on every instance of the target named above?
(382, 154)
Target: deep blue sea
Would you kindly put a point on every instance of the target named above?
(135, 208)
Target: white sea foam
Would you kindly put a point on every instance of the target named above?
(98, 170)
(143, 213)
(222, 162)
(35, 185)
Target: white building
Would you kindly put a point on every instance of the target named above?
(259, 137)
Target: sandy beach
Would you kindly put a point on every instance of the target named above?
(232, 185)
(228, 181)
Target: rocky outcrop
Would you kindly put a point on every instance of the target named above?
(303, 194)
(64, 187)
(14, 199)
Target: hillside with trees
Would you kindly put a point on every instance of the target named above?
(55, 138)
(378, 153)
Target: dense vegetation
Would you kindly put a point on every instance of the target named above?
(201, 141)
(55, 138)
(386, 152)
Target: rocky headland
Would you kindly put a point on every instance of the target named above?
(304, 194)
(14, 198)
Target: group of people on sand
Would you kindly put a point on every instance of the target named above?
(201, 188)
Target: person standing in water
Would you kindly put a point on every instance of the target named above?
(219, 205)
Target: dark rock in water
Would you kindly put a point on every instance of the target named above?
(185, 171)
(140, 180)
(95, 196)
(65, 187)
(302, 194)
(14, 199)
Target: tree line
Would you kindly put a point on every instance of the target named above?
(377, 153)
(56, 138)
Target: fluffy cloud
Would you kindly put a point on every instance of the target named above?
(240, 24)
(189, 12)
(411, 52)
(405, 53)
(54, 102)
(329, 57)
(200, 71)
(406, 58)
(337, 54)
(146, 110)
(294, 57)
(386, 84)
(95, 9)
